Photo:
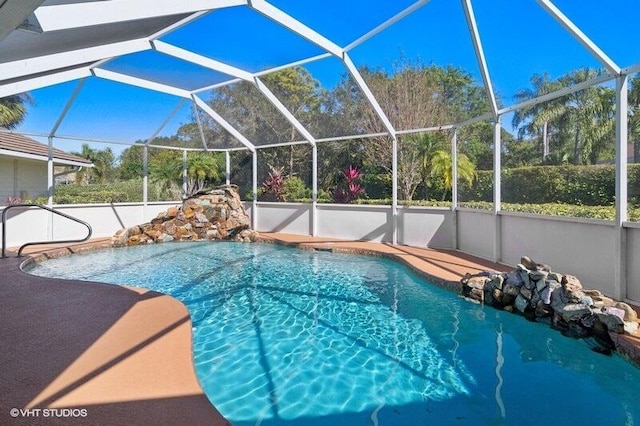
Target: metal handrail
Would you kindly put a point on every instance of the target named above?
(4, 228)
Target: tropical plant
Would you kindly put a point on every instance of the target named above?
(273, 185)
(13, 110)
(634, 115)
(103, 169)
(202, 169)
(442, 168)
(13, 200)
(165, 169)
(350, 188)
(580, 122)
(427, 145)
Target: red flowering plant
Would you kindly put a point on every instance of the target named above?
(273, 185)
(14, 200)
(349, 188)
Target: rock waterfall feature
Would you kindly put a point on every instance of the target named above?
(217, 214)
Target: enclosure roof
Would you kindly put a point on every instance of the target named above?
(184, 49)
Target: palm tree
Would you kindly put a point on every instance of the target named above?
(165, 169)
(589, 117)
(427, 144)
(201, 168)
(103, 165)
(582, 121)
(12, 110)
(533, 121)
(634, 116)
(441, 167)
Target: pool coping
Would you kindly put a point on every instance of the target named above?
(441, 267)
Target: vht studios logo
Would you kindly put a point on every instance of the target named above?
(48, 412)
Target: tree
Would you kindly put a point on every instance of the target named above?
(634, 115)
(103, 161)
(260, 121)
(302, 95)
(581, 123)
(522, 152)
(413, 95)
(441, 167)
(131, 163)
(589, 118)
(165, 169)
(533, 121)
(13, 110)
(202, 169)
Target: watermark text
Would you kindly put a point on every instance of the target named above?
(48, 412)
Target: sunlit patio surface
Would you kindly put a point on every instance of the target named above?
(125, 355)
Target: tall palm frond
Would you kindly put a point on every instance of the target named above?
(13, 110)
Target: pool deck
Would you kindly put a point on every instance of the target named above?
(125, 354)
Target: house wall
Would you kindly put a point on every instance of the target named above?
(22, 178)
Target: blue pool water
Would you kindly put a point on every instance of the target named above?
(292, 337)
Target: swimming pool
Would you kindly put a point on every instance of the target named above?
(292, 337)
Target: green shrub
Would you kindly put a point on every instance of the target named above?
(37, 200)
(93, 197)
(569, 210)
(481, 190)
(573, 191)
(117, 192)
(577, 185)
(634, 183)
(377, 185)
(324, 196)
(559, 209)
(295, 189)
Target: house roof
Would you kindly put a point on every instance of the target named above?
(17, 145)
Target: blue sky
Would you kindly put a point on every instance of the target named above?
(518, 36)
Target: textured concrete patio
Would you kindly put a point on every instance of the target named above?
(125, 354)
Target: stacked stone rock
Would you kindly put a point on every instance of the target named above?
(213, 215)
(535, 291)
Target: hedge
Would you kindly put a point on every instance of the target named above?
(117, 192)
(558, 209)
(576, 185)
(573, 191)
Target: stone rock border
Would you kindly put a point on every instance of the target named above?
(540, 294)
